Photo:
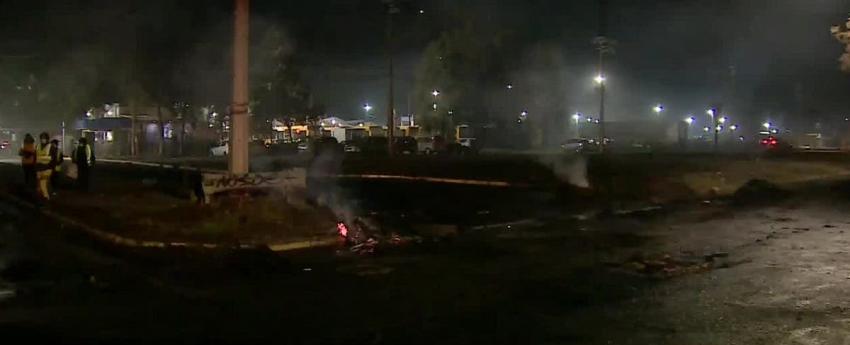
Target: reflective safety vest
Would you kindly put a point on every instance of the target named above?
(42, 154)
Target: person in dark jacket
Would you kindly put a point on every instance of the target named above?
(56, 158)
(83, 157)
(27, 154)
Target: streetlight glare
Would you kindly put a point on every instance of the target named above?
(690, 120)
(367, 107)
(576, 116)
(524, 113)
(723, 119)
(599, 79)
(658, 108)
(706, 129)
(435, 92)
(510, 86)
(733, 127)
(710, 112)
(766, 125)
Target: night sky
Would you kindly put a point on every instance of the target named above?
(678, 53)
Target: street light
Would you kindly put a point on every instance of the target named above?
(706, 129)
(723, 119)
(658, 109)
(576, 117)
(510, 86)
(524, 113)
(710, 112)
(719, 128)
(367, 108)
(435, 93)
(690, 120)
(767, 125)
(733, 128)
(599, 79)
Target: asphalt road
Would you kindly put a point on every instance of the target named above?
(777, 275)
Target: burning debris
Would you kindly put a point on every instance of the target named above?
(364, 236)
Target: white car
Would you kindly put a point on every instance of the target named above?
(303, 146)
(574, 145)
(466, 142)
(220, 150)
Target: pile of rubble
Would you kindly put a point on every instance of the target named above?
(667, 266)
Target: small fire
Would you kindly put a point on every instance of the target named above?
(342, 229)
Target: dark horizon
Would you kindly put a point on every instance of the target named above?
(671, 52)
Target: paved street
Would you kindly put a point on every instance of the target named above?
(776, 275)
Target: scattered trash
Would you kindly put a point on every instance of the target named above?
(666, 266)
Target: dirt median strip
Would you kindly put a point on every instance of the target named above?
(118, 240)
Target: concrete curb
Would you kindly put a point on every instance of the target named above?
(122, 241)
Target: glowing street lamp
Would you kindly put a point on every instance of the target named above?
(658, 109)
(435, 93)
(599, 79)
(733, 128)
(719, 128)
(576, 117)
(767, 125)
(710, 112)
(706, 129)
(723, 119)
(524, 113)
(690, 120)
(367, 108)
(510, 86)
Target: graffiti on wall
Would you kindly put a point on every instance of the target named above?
(215, 184)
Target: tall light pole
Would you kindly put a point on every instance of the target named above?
(604, 46)
(238, 163)
(392, 9)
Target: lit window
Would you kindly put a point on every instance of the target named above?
(109, 137)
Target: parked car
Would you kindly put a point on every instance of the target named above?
(351, 146)
(574, 145)
(220, 150)
(326, 145)
(375, 146)
(303, 146)
(426, 145)
(405, 145)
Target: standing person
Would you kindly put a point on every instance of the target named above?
(43, 168)
(84, 158)
(27, 154)
(56, 158)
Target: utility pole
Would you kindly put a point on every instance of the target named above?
(392, 9)
(238, 163)
(604, 46)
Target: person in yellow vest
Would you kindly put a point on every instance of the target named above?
(27, 154)
(43, 166)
